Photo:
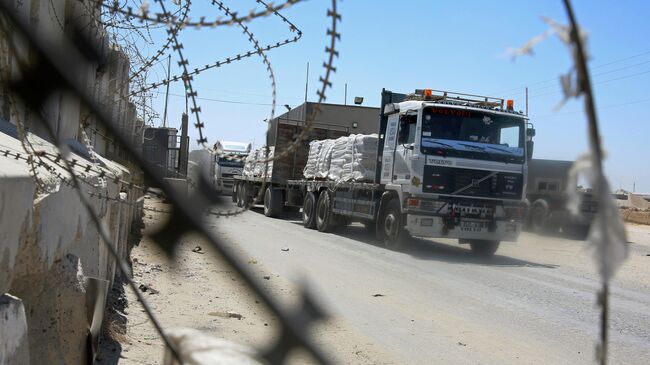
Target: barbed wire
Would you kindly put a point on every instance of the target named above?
(185, 9)
(231, 59)
(143, 15)
(185, 211)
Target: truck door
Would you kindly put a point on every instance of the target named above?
(389, 149)
(404, 148)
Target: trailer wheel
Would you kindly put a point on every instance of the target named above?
(273, 202)
(240, 195)
(539, 216)
(324, 216)
(394, 235)
(309, 210)
(235, 192)
(484, 248)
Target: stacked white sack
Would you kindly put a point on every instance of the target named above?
(360, 163)
(312, 159)
(324, 157)
(260, 157)
(249, 164)
(340, 150)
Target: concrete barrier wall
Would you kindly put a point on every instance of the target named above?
(50, 248)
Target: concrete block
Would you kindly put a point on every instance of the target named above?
(56, 312)
(16, 197)
(14, 348)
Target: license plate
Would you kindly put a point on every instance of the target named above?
(472, 226)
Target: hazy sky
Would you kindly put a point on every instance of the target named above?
(452, 45)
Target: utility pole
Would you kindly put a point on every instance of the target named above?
(526, 100)
(182, 158)
(169, 61)
(345, 102)
(306, 82)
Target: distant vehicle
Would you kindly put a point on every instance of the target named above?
(447, 165)
(219, 165)
(547, 192)
(229, 162)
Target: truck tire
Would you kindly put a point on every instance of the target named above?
(539, 216)
(324, 217)
(273, 202)
(235, 192)
(240, 195)
(394, 235)
(484, 248)
(309, 210)
(246, 199)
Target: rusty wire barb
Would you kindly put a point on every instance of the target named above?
(52, 67)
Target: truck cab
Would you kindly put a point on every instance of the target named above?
(229, 162)
(457, 165)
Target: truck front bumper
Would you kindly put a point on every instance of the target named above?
(434, 227)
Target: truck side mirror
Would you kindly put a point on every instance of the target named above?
(530, 132)
(529, 149)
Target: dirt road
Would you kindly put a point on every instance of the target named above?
(534, 303)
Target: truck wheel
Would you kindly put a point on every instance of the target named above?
(235, 193)
(240, 195)
(324, 216)
(309, 210)
(539, 216)
(273, 202)
(246, 199)
(484, 248)
(394, 235)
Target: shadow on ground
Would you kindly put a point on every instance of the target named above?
(430, 249)
(114, 326)
(424, 249)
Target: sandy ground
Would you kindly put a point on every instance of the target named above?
(532, 303)
(198, 290)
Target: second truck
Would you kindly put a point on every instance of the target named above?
(448, 165)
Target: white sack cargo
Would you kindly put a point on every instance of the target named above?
(359, 158)
(324, 157)
(260, 163)
(350, 158)
(311, 167)
(341, 148)
(249, 164)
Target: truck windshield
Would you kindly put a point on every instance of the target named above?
(234, 147)
(230, 162)
(472, 134)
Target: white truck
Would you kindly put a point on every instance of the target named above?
(218, 165)
(448, 165)
(229, 162)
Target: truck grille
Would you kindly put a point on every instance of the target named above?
(469, 182)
